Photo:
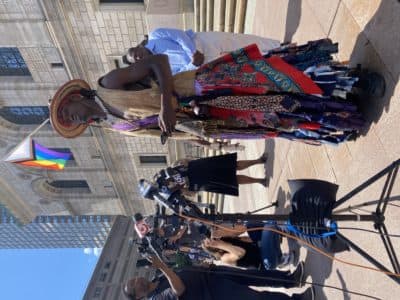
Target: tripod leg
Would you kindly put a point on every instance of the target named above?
(393, 178)
(265, 207)
(389, 247)
(367, 183)
(372, 202)
(384, 192)
(367, 256)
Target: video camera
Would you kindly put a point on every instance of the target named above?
(166, 193)
(147, 230)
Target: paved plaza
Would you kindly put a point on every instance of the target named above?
(368, 33)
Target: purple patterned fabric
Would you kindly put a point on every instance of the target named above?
(136, 124)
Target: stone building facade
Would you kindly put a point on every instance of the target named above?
(116, 264)
(43, 44)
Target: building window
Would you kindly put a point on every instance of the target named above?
(12, 63)
(136, 5)
(25, 115)
(78, 186)
(153, 159)
(193, 151)
(97, 292)
(69, 184)
(103, 277)
(57, 65)
(94, 153)
(107, 265)
(121, 1)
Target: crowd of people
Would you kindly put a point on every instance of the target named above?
(233, 258)
(202, 262)
(221, 86)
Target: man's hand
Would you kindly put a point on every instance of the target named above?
(176, 237)
(198, 58)
(177, 285)
(173, 239)
(167, 120)
(156, 262)
(210, 243)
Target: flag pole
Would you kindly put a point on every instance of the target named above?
(38, 128)
(28, 136)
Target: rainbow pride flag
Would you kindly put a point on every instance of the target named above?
(31, 154)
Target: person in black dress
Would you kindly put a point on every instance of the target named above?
(217, 174)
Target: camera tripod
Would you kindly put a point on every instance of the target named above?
(377, 218)
(176, 202)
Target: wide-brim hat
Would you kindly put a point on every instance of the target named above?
(63, 127)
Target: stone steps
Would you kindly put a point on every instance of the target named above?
(220, 15)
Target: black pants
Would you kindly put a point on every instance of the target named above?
(271, 278)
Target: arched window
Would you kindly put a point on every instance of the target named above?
(73, 186)
(25, 115)
(12, 63)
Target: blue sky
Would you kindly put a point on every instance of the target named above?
(45, 274)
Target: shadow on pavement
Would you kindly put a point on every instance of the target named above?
(346, 296)
(292, 19)
(282, 199)
(376, 49)
(269, 165)
(320, 268)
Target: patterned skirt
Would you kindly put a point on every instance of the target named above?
(294, 92)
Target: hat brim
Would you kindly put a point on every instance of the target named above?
(62, 127)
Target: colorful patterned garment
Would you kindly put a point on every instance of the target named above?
(131, 125)
(315, 59)
(246, 72)
(284, 111)
(296, 115)
(251, 111)
(304, 56)
(264, 98)
(300, 135)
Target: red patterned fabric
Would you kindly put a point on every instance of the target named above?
(246, 72)
(310, 125)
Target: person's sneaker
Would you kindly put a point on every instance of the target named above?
(299, 275)
(308, 294)
(296, 255)
(291, 258)
(286, 260)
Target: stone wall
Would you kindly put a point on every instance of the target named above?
(116, 264)
(60, 40)
(100, 33)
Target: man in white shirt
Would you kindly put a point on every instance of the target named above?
(187, 50)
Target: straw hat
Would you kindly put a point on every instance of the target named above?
(63, 127)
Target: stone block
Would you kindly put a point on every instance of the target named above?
(99, 18)
(123, 27)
